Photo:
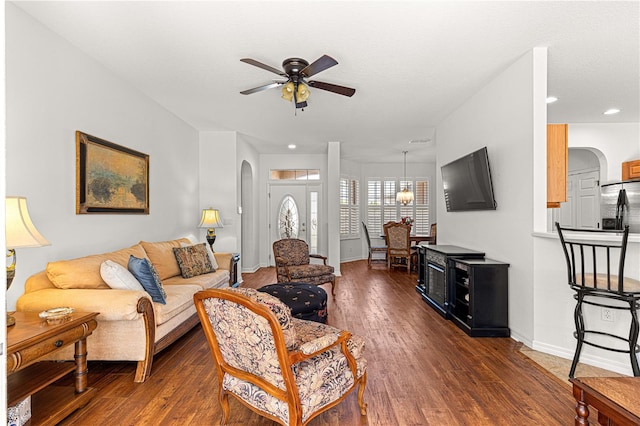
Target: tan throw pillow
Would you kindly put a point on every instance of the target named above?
(193, 260)
(162, 257)
(84, 272)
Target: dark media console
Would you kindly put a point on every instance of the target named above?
(461, 285)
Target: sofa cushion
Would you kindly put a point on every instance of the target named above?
(193, 260)
(162, 257)
(217, 279)
(84, 272)
(118, 277)
(146, 273)
(179, 299)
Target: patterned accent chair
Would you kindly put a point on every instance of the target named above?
(293, 264)
(283, 368)
(398, 245)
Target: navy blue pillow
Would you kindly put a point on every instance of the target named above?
(146, 273)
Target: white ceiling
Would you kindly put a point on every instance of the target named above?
(411, 63)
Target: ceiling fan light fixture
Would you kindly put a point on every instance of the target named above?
(287, 91)
(303, 92)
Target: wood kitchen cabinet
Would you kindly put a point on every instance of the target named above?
(631, 170)
(557, 164)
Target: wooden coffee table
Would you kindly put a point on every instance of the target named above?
(615, 398)
(28, 342)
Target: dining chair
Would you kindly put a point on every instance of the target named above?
(374, 249)
(398, 245)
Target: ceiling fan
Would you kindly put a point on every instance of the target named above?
(296, 71)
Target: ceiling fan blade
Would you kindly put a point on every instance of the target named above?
(319, 65)
(340, 90)
(263, 66)
(261, 88)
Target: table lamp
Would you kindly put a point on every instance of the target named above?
(210, 219)
(20, 233)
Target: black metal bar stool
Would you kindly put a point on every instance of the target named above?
(595, 271)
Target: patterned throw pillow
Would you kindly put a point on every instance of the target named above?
(147, 275)
(212, 257)
(193, 260)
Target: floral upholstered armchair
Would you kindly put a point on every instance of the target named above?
(283, 368)
(293, 264)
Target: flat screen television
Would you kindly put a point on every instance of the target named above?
(467, 183)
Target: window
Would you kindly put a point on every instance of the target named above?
(288, 218)
(349, 208)
(382, 206)
(295, 174)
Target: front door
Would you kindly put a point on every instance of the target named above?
(294, 213)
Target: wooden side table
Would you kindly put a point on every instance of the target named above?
(30, 340)
(615, 398)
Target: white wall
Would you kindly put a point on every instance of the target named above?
(619, 142)
(3, 296)
(219, 174)
(613, 143)
(500, 117)
(250, 202)
(53, 90)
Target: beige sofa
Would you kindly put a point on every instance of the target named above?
(130, 326)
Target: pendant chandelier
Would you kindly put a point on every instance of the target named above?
(405, 196)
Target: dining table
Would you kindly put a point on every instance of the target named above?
(415, 239)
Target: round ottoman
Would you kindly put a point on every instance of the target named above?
(307, 302)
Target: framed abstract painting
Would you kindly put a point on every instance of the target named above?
(110, 178)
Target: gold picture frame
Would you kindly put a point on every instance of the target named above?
(110, 178)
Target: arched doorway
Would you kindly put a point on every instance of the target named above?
(249, 252)
(582, 209)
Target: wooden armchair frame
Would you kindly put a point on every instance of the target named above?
(286, 360)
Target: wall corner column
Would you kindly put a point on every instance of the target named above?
(333, 199)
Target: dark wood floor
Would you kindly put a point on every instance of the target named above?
(422, 370)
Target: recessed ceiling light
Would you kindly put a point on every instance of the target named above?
(292, 146)
(551, 99)
(611, 111)
(423, 141)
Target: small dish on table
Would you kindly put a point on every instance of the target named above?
(56, 315)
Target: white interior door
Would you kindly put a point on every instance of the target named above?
(582, 209)
(588, 200)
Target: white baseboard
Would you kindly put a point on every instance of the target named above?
(589, 359)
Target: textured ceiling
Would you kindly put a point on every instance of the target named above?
(411, 63)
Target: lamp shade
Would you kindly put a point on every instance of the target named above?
(303, 92)
(210, 219)
(19, 229)
(287, 91)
